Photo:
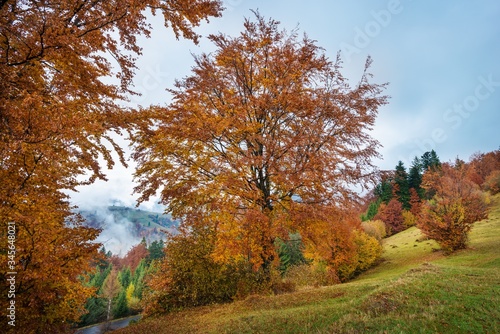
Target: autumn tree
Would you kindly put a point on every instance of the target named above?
(110, 289)
(263, 122)
(56, 117)
(415, 203)
(135, 255)
(392, 215)
(482, 166)
(456, 205)
(492, 182)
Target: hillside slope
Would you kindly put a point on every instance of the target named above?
(141, 222)
(415, 290)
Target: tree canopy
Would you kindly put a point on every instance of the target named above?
(56, 116)
(264, 126)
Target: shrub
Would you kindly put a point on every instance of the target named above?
(250, 282)
(283, 286)
(456, 205)
(409, 219)
(492, 183)
(300, 275)
(316, 274)
(188, 276)
(368, 251)
(374, 228)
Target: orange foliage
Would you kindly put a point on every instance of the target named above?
(334, 237)
(456, 205)
(482, 165)
(263, 122)
(51, 250)
(415, 203)
(56, 115)
(492, 182)
(328, 236)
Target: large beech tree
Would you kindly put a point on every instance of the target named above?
(56, 114)
(264, 127)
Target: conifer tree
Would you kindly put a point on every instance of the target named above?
(121, 306)
(402, 192)
(430, 159)
(415, 176)
(383, 191)
(125, 277)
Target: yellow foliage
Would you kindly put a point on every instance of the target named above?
(409, 219)
(368, 251)
(130, 292)
(375, 228)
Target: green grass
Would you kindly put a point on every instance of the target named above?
(416, 289)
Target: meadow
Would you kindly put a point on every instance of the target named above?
(415, 289)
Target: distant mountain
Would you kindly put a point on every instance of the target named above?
(123, 227)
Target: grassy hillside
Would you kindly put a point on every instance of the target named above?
(415, 290)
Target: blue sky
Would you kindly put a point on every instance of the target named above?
(441, 59)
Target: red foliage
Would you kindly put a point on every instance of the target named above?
(392, 215)
(116, 262)
(134, 256)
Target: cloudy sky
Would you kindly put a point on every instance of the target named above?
(441, 59)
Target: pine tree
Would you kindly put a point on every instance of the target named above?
(121, 306)
(384, 191)
(125, 277)
(430, 160)
(372, 210)
(290, 252)
(138, 279)
(403, 191)
(415, 176)
(156, 250)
